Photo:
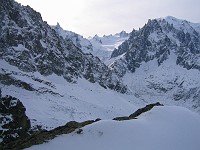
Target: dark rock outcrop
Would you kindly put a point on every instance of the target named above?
(138, 112)
(7, 79)
(13, 120)
(44, 136)
(144, 109)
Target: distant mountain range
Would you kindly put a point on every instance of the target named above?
(102, 47)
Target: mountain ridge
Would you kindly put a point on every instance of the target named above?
(59, 76)
(34, 46)
(162, 57)
(100, 47)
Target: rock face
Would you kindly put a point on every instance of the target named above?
(13, 120)
(162, 60)
(156, 40)
(100, 47)
(30, 44)
(78, 40)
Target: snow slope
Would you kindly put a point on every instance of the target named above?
(54, 101)
(166, 128)
(182, 24)
(168, 83)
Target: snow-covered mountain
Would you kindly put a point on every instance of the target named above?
(78, 40)
(157, 39)
(184, 25)
(53, 76)
(55, 81)
(102, 47)
(33, 46)
(161, 61)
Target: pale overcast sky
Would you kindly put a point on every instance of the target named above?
(90, 17)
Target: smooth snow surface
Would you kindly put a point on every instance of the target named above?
(162, 128)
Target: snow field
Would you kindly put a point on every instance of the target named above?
(163, 127)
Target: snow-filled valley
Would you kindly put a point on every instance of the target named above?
(51, 79)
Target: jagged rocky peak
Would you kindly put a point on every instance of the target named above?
(162, 57)
(30, 44)
(173, 20)
(58, 25)
(111, 39)
(177, 22)
(25, 40)
(157, 39)
(9, 12)
(58, 28)
(78, 40)
(97, 38)
(180, 24)
(123, 34)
